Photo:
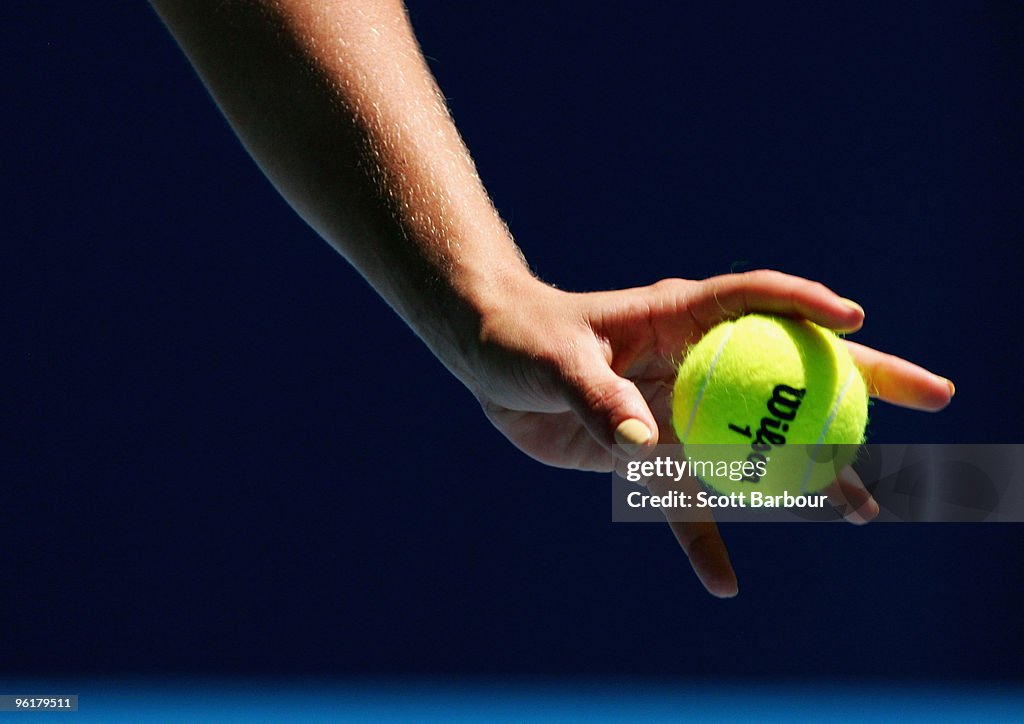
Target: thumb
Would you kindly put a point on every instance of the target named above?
(612, 408)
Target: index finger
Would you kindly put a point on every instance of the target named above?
(732, 295)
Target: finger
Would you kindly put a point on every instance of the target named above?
(900, 382)
(851, 499)
(611, 408)
(703, 545)
(731, 295)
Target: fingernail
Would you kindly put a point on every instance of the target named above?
(952, 387)
(632, 435)
(856, 518)
(870, 512)
(853, 305)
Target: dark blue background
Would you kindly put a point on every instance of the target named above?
(223, 454)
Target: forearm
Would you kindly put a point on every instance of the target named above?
(336, 104)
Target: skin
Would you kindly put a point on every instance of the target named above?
(334, 101)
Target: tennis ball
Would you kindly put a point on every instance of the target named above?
(781, 394)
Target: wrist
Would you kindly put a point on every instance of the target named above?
(485, 299)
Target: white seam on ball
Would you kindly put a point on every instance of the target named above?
(707, 379)
(824, 431)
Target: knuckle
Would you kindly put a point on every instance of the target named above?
(768, 276)
(669, 285)
(605, 395)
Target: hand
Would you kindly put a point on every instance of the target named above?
(338, 106)
(565, 376)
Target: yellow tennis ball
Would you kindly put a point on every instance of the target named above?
(783, 395)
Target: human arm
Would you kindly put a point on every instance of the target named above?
(336, 104)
